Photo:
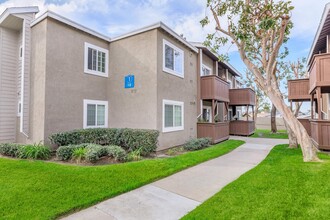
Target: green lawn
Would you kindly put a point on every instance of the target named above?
(281, 187)
(42, 190)
(261, 133)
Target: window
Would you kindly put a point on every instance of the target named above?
(206, 71)
(19, 109)
(173, 59)
(20, 52)
(207, 113)
(95, 114)
(173, 116)
(96, 60)
(230, 84)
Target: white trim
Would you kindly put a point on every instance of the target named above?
(22, 78)
(175, 48)
(95, 102)
(18, 10)
(206, 67)
(177, 103)
(95, 72)
(70, 23)
(155, 26)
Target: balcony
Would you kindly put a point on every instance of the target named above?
(298, 90)
(241, 97)
(319, 73)
(306, 123)
(216, 131)
(244, 128)
(213, 87)
(320, 130)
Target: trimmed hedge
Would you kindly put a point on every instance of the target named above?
(93, 152)
(129, 139)
(9, 149)
(197, 144)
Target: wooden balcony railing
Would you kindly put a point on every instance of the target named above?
(244, 128)
(240, 97)
(216, 131)
(213, 87)
(319, 72)
(306, 123)
(320, 133)
(298, 90)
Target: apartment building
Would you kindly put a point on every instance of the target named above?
(57, 75)
(316, 88)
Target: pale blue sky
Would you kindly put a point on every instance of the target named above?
(115, 17)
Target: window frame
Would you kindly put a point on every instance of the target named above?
(98, 49)
(173, 103)
(20, 52)
(170, 71)
(206, 67)
(19, 108)
(95, 102)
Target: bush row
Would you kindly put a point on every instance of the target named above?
(90, 152)
(197, 144)
(129, 139)
(36, 152)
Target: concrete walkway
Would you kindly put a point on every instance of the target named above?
(176, 195)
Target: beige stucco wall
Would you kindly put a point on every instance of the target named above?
(133, 108)
(174, 88)
(66, 83)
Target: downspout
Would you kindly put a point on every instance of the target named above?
(22, 80)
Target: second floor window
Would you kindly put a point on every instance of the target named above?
(96, 60)
(206, 71)
(173, 59)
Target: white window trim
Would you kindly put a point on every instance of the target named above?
(178, 128)
(93, 72)
(206, 67)
(165, 69)
(95, 102)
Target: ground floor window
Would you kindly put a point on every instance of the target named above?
(173, 115)
(207, 113)
(95, 114)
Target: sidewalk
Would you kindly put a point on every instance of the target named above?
(176, 195)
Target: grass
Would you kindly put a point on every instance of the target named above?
(43, 190)
(281, 187)
(261, 133)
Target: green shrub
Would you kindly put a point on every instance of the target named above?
(65, 152)
(197, 144)
(129, 139)
(9, 149)
(79, 154)
(35, 152)
(94, 152)
(134, 156)
(118, 153)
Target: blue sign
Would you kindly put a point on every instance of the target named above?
(129, 81)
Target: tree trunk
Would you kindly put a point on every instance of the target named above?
(273, 119)
(308, 149)
(256, 112)
(293, 142)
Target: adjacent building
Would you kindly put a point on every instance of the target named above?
(316, 88)
(57, 75)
